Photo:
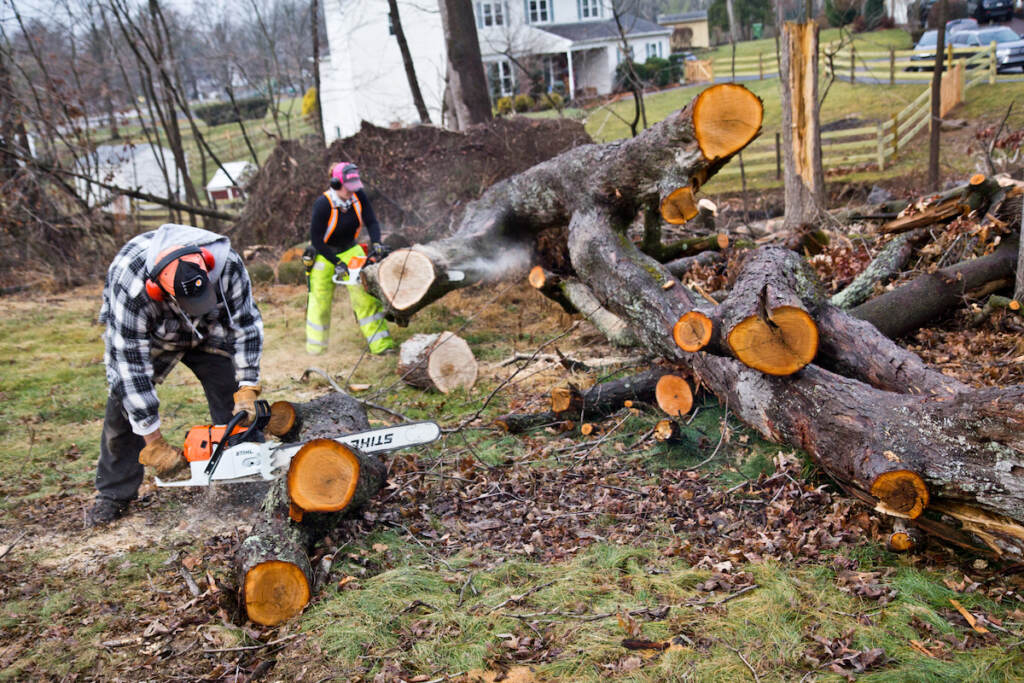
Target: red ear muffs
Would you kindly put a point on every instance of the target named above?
(153, 287)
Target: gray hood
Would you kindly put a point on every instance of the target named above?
(171, 234)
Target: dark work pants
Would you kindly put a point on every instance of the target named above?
(119, 474)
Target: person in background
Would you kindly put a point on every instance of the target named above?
(173, 294)
(339, 216)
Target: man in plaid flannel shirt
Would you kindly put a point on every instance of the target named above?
(197, 309)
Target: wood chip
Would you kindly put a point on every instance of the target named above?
(968, 616)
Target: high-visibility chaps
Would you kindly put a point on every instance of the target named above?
(369, 311)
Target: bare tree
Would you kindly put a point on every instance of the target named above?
(410, 71)
(933, 139)
(633, 82)
(467, 84)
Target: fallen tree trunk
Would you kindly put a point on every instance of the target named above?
(907, 308)
(623, 177)
(325, 481)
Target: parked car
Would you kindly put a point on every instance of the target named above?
(1009, 45)
(924, 51)
(990, 10)
(955, 25)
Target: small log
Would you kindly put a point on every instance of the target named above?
(587, 428)
(437, 361)
(938, 213)
(993, 304)
(679, 267)
(693, 331)
(666, 430)
(550, 285)
(599, 401)
(673, 395)
(903, 539)
(283, 420)
(885, 266)
(928, 296)
(328, 476)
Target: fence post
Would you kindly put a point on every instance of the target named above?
(992, 63)
(881, 147)
(895, 134)
(778, 155)
(892, 66)
(853, 65)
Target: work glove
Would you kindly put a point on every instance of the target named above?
(376, 252)
(245, 402)
(165, 459)
(340, 271)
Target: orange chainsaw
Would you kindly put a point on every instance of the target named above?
(233, 453)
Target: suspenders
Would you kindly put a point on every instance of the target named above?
(332, 222)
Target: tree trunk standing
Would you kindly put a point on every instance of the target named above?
(101, 51)
(933, 140)
(805, 178)
(314, 14)
(410, 71)
(635, 84)
(733, 34)
(1018, 290)
(471, 103)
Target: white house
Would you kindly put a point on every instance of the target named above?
(132, 167)
(227, 182)
(572, 46)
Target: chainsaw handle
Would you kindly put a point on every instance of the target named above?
(258, 423)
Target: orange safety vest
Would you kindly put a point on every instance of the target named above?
(332, 222)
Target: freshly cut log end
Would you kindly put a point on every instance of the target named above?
(1014, 305)
(404, 278)
(692, 331)
(679, 206)
(587, 428)
(275, 591)
(782, 345)
(726, 117)
(978, 179)
(722, 240)
(673, 395)
(904, 541)
(901, 492)
(537, 277)
(566, 398)
(322, 476)
(666, 430)
(282, 418)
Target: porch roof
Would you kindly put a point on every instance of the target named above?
(596, 31)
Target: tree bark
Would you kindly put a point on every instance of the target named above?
(471, 103)
(314, 18)
(936, 99)
(805, 178)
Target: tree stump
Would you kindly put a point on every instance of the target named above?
(437, 361)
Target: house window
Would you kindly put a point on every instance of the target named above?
(588, 9)
(490, 14)
(622, 55)
(391, 25)
(499, 78)
(653, 49)
(537, 11)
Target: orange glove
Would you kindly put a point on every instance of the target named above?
(245, 402)
(163, 457)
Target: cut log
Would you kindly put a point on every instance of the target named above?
(904, 539)
(550, 285)
(928, 296)
(566, 399)
(885, 266)
(283, 420)
(679, 206)
(443, 362)
(274, 573)
(692, 331)
(599, 401)
(673, 395)
(683, 150)
(327, 476)
(666, 430)
(764, 321)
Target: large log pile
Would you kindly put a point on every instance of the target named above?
(325, 481)
(903, 437)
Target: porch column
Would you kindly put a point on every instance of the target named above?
(572, 79)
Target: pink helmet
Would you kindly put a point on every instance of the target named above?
(347, 174)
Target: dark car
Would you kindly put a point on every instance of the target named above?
(1009, 45)
(990, 10)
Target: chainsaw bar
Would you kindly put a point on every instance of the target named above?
(251, 461)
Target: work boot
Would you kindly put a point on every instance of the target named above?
(104, 511)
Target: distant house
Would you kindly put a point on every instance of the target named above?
(566, 46)
(131, 167)
(222, 187)
(689, 29)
